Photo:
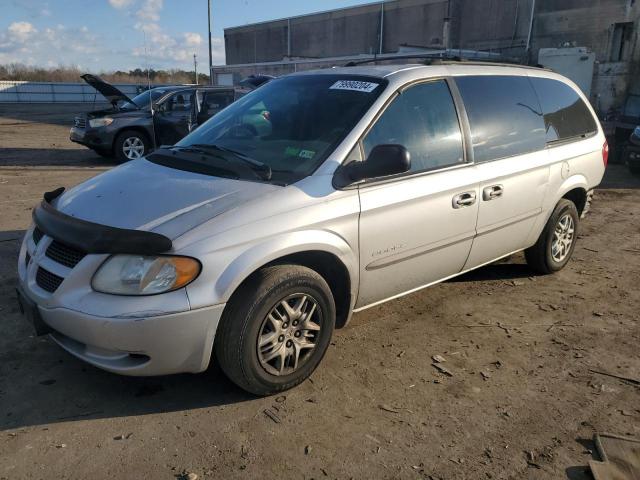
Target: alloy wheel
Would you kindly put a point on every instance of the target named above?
(133, 147)
(289, 334)
(563, 237)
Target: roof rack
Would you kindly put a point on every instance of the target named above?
(444, 59)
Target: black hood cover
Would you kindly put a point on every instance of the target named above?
(111, 93)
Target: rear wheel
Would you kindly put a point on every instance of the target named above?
(131, 145)
(276, 329)
(557, 241)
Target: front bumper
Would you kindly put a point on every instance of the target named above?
(129, 335)
(158, 345)
(97, 139)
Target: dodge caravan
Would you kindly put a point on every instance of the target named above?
(315, 196)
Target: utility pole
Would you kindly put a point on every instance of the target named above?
(195, 67)
(210, 55)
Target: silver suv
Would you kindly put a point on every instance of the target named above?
(317, 195)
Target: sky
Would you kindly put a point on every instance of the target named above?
(109, 35)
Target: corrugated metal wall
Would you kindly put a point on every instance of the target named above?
(37, 92)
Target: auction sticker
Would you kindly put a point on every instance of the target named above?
(355, 85)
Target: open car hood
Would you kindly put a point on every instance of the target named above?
(111, 93)
(254, 81)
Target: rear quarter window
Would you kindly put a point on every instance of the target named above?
(504, 116)
(566, 115)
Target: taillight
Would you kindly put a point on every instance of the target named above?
(605, 153)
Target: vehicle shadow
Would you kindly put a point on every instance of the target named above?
(16, 114)
(53, 157)
(502, 270)
(41, 384)
(619, 176)
(583, 472)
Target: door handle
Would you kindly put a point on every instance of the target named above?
(464, 199)
(492, 192)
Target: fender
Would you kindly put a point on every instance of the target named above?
(282, 245)
(574, 181)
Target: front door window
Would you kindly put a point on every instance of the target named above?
(423, 119)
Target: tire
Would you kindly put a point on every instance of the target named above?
(541, 256)
(245, 321)
(132, 141)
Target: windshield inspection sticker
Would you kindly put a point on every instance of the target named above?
(308, 154)
(355, 85)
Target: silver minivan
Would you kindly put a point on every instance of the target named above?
(315, 196)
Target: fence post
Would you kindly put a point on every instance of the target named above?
(53, 93)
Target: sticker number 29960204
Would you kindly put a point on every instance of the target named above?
(354, 85)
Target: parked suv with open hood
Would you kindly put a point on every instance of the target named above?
(317, 195)
(131, 128)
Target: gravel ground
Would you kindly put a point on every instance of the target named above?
(521, 402)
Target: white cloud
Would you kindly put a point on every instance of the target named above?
(21, 31)
(58, 44)
(150, 10)
(120, 4)
(192, 39)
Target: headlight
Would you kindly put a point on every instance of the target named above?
(100, 122)
(144, 275)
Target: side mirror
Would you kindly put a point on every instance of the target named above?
(384, 160)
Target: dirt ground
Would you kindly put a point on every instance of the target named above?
(522, 401)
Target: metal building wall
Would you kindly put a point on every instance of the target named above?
(500, 26)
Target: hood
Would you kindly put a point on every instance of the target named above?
(254, 81)
(116, 113)
(111, 93)
(145, 196)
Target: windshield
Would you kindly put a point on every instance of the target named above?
(288, 126)
(142, 101)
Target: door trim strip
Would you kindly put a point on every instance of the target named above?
(359, 309)
(418, 251)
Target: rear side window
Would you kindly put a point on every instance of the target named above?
(565, 113)
(423, 119)
(504, 116)
(216, 101)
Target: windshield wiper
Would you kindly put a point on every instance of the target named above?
(257, 165)
(261, 173)
(205, 168)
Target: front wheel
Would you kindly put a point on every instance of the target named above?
(557, 241)
(131, 145)
(276, 329)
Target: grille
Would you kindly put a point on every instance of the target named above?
(37, 235)
(64, 254)
(47, 280)
(79, 122)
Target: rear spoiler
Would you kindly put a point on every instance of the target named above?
(93, 237)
